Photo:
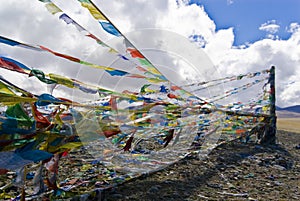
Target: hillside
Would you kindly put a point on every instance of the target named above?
(294, 108)
(288, 112)
(233, 171)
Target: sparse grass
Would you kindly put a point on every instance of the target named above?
(289, 124)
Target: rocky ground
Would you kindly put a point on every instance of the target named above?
(233, 171)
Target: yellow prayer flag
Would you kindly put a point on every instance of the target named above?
(62, 80)
(154, 80)
(111, 50)
(150, 90)
(153, 70)
(71, 145)
(52, 8)
(95, 13)
(12, 99)
(4, 89)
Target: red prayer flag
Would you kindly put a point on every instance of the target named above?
(172, 96)
(135, 53)
(41, 120)
(174, 88)
(11, 66)
(61, 55)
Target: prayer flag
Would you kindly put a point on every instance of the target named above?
(108, 27)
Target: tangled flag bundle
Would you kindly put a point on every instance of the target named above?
(160, 123)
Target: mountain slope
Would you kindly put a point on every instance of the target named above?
(294, 108)
(288, 112)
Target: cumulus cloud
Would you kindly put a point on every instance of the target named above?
(294, 27)
(284, 54)
(29, 21)
(270, 26)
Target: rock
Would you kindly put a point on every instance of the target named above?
(271, 177)
(214, 185)
(258, 147)
(279, 167)
(231, 186)
(168, 182)
(221, 166)
(117, 196)
(250, 175)
(247, 163)
(268, 184)
(154, 189)
(1, 184)
(202, 196)
(277, 183)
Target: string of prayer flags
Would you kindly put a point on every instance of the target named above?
(110, 28)
(104, 22)
(11, 42)
(111, 71)
(119, 135)
(69, 20)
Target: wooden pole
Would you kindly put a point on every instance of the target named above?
(269, 136)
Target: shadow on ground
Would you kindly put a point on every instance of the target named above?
(229, 172)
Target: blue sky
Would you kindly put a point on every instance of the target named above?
(246, 16)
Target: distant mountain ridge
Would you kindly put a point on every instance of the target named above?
(288, 112)
(294, 108)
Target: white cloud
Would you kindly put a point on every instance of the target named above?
(284, 54)
(29, 21)
(294, 27)
(270, 27)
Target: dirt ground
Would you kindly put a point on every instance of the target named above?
(233, 171)
(289, 124)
